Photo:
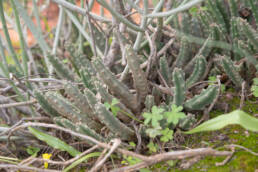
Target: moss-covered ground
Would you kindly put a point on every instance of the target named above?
(241, 161)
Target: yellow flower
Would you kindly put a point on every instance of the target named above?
(46, 156)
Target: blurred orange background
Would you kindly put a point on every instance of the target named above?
(48, 18)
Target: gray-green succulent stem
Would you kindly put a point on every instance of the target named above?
(217, 15)
(107, 118)
(36, 33)
(198, 72)
(117, 127)
(8, 39)
(68, 110)
(234, 30)
(124, 113)
(79, 10)
(157, 8)
(165, 70)
(84, 129)
(87, 79)
(183, 55)
(78, 127)
(231, 71)
(133, 5)
(142, 26)
(139, 77)
(61, 70)
(58, 29)
(83, 32)
(3, 60)
(206, 97)
(119, 16)
(79, 100)
(149, 102)
(119, 89)
(22, 41)
(248, 31)
(44, 104)
(185, 23)
(233, 8)
(254, 9)
(63, 122)
(204, 51)
(176, 10)
(179, 83)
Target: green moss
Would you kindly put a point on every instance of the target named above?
(233, 134)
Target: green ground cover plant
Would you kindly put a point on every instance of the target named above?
(131, 90)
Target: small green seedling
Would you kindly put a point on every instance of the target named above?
(129, 160)
(33, 151)
(152, 147)
(174, 115)
(169, 117)
(114, 109)
(154, 117)
(132, 145)
(167, 135)
(154, 132)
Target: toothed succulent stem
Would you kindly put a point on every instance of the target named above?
(216, 13)
(87, 79)
(149, 102)
(139, 78)
(231, 71)
(204, 51)
(248, 31)
(179, 83)
(183, 55)
(233, 8)
(44, 104)
(91, 98)
(206, 97)
(84, 129)
(107, 118)
(254, 9)
(164, 70)
(79, 100)
(61, 70)
(198, 72)
(108, 98)
(113, 123)
(68, 110)
(186, 22)
(78, 127)
(118, 88)
(63, 122)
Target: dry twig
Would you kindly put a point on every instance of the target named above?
(172, 156)
(22, 167)
(18, 104)
(147, 161)
(117, 142)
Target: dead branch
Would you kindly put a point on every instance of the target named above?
(147, 161)
(22, 167)
(18, 104)
(172, 156)
(97, 166)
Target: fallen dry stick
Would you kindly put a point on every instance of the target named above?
(173, 156)
(146, 160)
